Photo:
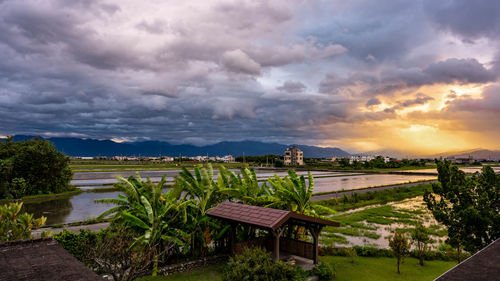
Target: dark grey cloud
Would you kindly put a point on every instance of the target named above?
(292, 87)
(470, 19)
(420, 99)
(171, 72)
(373, 101)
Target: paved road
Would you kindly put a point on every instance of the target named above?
(351, 192)
(94, 227)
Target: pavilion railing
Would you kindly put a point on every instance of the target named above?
(260, 242)
(296, 247)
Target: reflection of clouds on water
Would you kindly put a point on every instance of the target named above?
(70, 209)
(55, 210)
(106, 178)
(81, 206)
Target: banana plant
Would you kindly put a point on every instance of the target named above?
(156, 217)
(246, 187)
(296, 195)
(207, 193)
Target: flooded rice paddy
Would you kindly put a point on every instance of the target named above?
(81, 206)
(372, 225)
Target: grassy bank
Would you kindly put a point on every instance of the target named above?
(362, 269)
(43, 196)
(359, 200)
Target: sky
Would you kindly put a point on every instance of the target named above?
(362, 75)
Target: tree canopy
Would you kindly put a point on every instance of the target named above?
(32, 167)
(469, 206)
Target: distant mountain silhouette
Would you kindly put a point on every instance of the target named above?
(92, 147)
(477, 153)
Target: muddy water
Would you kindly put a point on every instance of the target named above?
(386, 231)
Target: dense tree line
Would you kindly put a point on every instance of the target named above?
(32, 167)
(260, 160)
(379, 163)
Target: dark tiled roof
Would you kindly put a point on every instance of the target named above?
(260, 216)
(40, 259)
(484, 265)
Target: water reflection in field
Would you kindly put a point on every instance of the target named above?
(81, 206)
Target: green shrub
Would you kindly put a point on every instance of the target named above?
(77, 243)
(324, 271)
(373, 252)
(351, 253)
(15, 225)
(256, 264)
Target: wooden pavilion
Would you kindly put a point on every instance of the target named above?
(275, 222)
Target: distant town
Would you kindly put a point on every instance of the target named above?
(292, 156)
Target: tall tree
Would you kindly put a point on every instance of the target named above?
(468, 206)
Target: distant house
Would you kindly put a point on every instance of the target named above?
(40, 259)
(167, 159)
(294, 156)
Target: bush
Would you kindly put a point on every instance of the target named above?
(15, 225)
(324, 271)
(351, 253)
(77, 244)
(256, 264)
(373, 252)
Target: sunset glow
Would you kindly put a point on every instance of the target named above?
(360, 75)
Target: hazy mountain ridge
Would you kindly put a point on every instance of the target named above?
(93, 147)
(477, 153)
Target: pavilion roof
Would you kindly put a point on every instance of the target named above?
(261, 216)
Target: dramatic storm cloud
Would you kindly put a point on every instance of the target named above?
(363, 75)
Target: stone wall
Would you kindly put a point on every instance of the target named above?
(190, 265)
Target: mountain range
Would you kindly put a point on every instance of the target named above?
(477, 153)
(93, 147)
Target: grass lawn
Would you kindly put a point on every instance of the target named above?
(386, 269)
(362, 269)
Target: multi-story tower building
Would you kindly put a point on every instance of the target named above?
(294, 156)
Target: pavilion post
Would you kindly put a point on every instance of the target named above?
(276, 251)
(315, 234)
(233, 239)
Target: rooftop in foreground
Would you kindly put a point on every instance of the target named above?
(484, 265)
(40, 259)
